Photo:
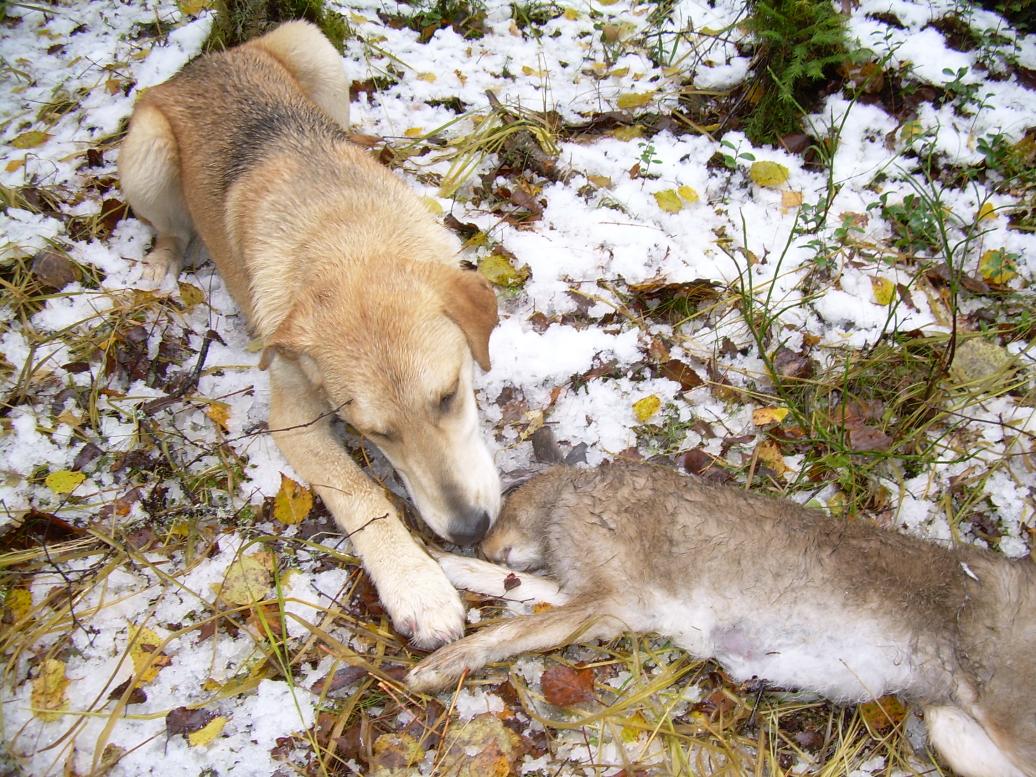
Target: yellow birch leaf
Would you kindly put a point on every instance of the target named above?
(769, 453)
(144, 652)
(629, 100)
(627, 134)
(769, 174)
(668, 200)
(64, 481)
(987, 211)
(791, 199)
(30, 139)
(247, 581)
(769, 415)
(500, 271)
(356, 18)
(48, 690)
(191, 295)
(911, 130)
(607, 2)
(19, 602)
(14, 164)
(571, 14)
(644, 409)
(688, 193)
(600, 181)
(208, 732)
(292, 503)
(429, 77)
(997, 266)
(542, 607)
(219, 412)
(883, 290)
(413, 132)
(619, 72)
(192, 7)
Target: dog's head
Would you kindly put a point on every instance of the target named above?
(395, 357)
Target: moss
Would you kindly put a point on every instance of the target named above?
(238, 21)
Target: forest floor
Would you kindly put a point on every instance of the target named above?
(844, 317)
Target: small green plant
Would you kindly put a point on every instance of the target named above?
(532, 15)
(915, 227)
(730, 160)
(466, 17)
(647, 157)
(799, 44)
(238, 21)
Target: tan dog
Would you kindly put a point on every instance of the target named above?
(774, 591)
(349, 281)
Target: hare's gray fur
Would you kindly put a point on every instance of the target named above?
(772, 590)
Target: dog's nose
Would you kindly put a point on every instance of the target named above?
(471, 531)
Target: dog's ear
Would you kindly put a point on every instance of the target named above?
(470, 302)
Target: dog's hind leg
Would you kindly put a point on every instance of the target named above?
(581, 619)
(316, 65)
(149, 171)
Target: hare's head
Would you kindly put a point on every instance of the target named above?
(518, 538)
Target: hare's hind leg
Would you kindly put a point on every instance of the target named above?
(967, 746)
(149, 171)
(582, 619)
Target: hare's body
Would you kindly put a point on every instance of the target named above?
(775, 591)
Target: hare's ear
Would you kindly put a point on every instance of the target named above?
(470, 303)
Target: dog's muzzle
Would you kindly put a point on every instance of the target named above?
(471, 529)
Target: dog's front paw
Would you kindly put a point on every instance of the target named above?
(443, 667)
(422, 604)
(162, 262)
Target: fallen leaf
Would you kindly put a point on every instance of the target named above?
(48, 690)
(292, 503)
(883, 715)
(136, 695)
(394, 753)
(433, 205)
(769, 453)
(19, 602)
(689, 194)
(644, 409)
(791, 199)
(571, 14)
(769, 415)
(668, 200)
(627, 134)
(413, 132)
(868, 438)
(207, 733)
(997, 266)
(482, 747)
(512, 581)
(676, 370)
(600, 181)
(986, 211)
(14, 165)
(910, 130)
(54, 269)
(429, 77)
(768, 174)
(219, 412)
(564, 686)
(30, 139)
(500, 270)
(64, 481)
(247, 581)
(629, 100)
(184, 721)
(144, 652)
(193, 7)
(191, 295)
(883, 290)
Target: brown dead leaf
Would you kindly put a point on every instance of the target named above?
(868, 438)
(564, 686)
(676, 370)
(184, 721)
(883, 715)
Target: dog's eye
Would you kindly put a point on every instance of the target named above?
(446, 402)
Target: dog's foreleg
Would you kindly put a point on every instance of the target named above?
(418, 597)
(473, 574)
(581, 619)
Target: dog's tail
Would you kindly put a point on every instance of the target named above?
(311, 59)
